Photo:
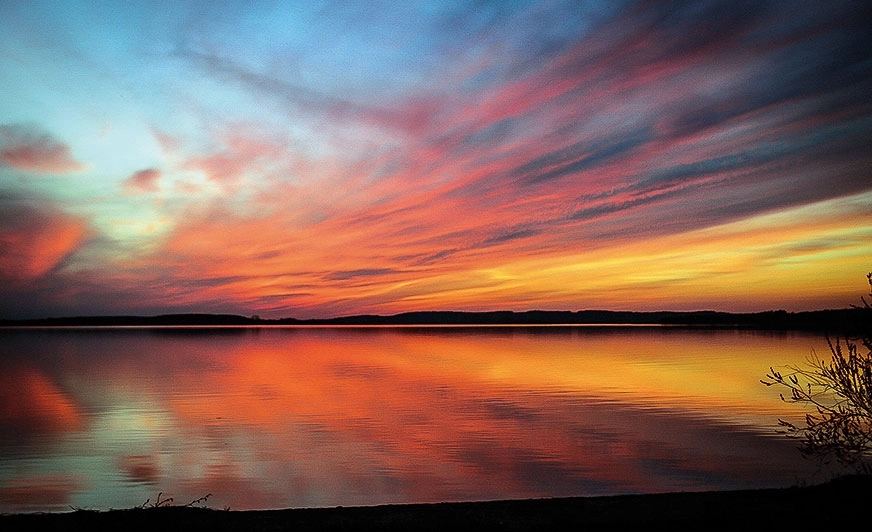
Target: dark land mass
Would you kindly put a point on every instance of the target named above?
(848, 320)
(832, 505)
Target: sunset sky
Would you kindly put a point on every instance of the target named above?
(316, 159)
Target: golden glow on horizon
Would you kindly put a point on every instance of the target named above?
(802, 259)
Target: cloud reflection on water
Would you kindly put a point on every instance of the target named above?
(322, 417)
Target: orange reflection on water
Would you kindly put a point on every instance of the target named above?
(29, 400)
(266, 418)
(485, 406)
(340, 374)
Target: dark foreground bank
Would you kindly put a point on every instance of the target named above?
(835, 502)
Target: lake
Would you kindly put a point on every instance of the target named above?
(279, 417)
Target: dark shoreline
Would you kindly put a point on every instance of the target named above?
(838, 501)
(835, 321)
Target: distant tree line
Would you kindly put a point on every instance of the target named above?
(852, 320)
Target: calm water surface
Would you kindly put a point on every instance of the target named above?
(299, 417)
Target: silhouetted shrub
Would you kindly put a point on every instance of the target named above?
(840, 393)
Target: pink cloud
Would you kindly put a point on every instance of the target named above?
(143, 181)
(242, 152)
(168, 143)
(36, 152)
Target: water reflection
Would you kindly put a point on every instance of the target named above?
(268, 418)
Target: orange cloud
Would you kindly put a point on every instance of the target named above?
(35, 241)
(412, 258)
